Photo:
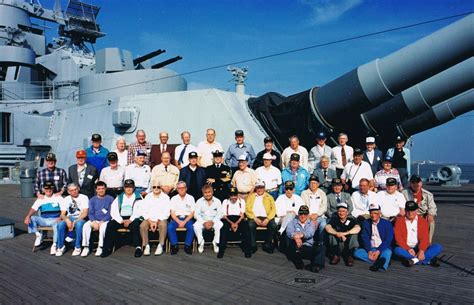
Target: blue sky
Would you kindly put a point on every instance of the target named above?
(208, 33)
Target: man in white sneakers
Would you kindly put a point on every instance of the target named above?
(50, 208)
(99, 217)
(208, 214)
(74, 210)
(155, 210)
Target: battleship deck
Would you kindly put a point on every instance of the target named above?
(32, 278)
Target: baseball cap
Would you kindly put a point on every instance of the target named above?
(415, 179)
(370, 140)
(112, 156)
(411, 206)
(336, 181)
(233, 191)
(48, 185)
(50, 157)
(387, 159)
(374, 207)
(289, 185)
(294, 157)
(96, 137)
(313, 178)
(391, 181)
(321, 135)
(267, 140)
(239, 133)
(341, 205)
(81, 153)
(268, 156)
(358, 151)
(260, 183)
(303, 210)
(192, 154)
(129, 182)
(141, 153)
(242, 157)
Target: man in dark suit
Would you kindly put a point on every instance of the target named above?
(83, 174)
(193, 175)
(372, 155)
(219, 176)
(325, 174)
(336, 197)
(157, 150)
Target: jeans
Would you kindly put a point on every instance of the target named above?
(62, 227)
(86, 233)
(321, 231)
(430, 253)
(363, 255)
(173, 236)
(38, 221)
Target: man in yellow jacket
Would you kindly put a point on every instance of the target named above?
(260, 211)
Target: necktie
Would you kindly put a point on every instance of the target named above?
(325, 174)
(338, 199)
(343, 154)
(166, 168)
(181, 155)
(162, 148)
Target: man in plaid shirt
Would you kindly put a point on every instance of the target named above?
(53, 174)
(141, 144)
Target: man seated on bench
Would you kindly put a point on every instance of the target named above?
(155, 210)
(412, 238)
(74, 210)
(125, 214)
(182, 214)
(99, 217)
(260, 211)
(301, 231)
(234, 222)
(208, 214)
(50, 208)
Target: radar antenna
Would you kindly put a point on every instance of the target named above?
(239, 76)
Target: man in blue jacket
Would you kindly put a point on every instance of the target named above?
(377, 236)
(294, 172)
(97, 154)
(193, 175)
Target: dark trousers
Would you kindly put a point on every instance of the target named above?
(271, 228)
(315, 253)
(111, 233)
(242, 232)
(403, 172)
(339, 172)
(114, 192)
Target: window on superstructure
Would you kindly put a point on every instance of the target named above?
(5, 127)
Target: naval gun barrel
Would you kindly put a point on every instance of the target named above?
(150, 55)
(439, 114)
(337, 106)
(166, 62)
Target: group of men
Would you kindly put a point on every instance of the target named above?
(339, 201)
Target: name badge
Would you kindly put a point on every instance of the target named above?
(54, 205)
(347, 222)
(56, 178)
(104, 211)
(89, 176)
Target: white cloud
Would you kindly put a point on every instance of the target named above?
(329, 10)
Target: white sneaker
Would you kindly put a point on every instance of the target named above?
(39, 239)
(201, 247)
(98, 252)
(76, 252)
(146, 251)
(60, 251)
(216, 247)
(68, 239)
(85, 252)
(53, 250)
(159, 250)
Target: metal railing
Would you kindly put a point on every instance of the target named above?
(39, 90)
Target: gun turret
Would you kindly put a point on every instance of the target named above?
(148, 56)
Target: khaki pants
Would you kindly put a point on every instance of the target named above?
(145, 227)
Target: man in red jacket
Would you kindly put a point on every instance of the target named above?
(412, 238)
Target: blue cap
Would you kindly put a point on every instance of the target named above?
(321, 135)
(387, 159)
(141, 153)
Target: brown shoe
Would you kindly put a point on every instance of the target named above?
(335, 260)
(350, 261)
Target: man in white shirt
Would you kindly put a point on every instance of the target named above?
(74, 209)
(356, 170)
(317, 202)
(182, 214)
(321, 149)
(206, 148)
(361, 200)
(208, 214)
(270, 175)
(343, 153)
(234, 223)
(391, 201)
(113, 175)
(125, 213)
(155, 211)
(294, 148)
(182, 151)
(140, 173)
(287, 206)
(121, 151)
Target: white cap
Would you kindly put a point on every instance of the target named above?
(260, 183)
(268, 156)
(341, 205)
(374, 206)
(370, 140)
(242, 157)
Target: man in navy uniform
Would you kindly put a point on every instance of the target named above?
(219, 176)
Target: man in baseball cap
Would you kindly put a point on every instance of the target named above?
(237, 149)
(372, 155)
(50, 173)
(82, 174)
(96, 153)
(268, 148)
(320, 150)
(296, 173)
(376, 236)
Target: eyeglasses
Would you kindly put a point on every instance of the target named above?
(156, 187)
(289, 188)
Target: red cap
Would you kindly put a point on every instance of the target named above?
(81, 154)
